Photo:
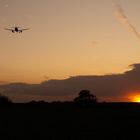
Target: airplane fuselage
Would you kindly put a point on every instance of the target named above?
(16, 29)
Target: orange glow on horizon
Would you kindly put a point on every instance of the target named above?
(135, 97)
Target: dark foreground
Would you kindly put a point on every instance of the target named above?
(118, 121)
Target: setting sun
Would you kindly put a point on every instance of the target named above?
(135, 98)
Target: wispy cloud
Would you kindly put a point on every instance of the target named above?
(120, 12)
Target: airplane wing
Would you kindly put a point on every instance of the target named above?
(8, 29)
(24, 29)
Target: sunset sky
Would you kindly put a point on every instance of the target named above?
(67, 38)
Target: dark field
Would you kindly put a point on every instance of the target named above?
(114, 121)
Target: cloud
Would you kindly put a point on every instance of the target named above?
(125, 20)
(94, 42)
(110, 87)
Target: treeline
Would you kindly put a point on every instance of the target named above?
(84, 99)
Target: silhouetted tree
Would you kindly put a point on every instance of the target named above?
(85, 98)
(4, 100)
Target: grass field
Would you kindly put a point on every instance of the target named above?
(114, 121)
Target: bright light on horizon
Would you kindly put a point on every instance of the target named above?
(135, 97)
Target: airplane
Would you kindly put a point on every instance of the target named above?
(16, 29)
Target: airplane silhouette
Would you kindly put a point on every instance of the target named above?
(16, 29)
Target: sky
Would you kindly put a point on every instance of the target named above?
(67, 38)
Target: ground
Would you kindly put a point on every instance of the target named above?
(102, 121)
